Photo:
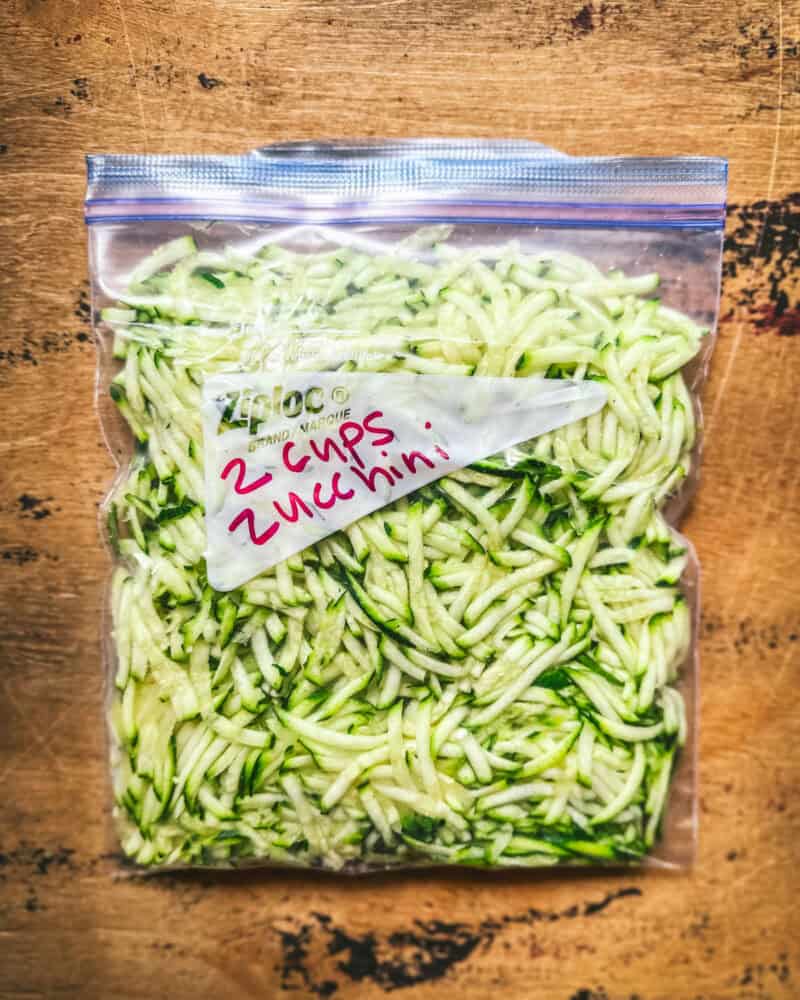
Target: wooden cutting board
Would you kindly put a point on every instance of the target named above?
(648, 77)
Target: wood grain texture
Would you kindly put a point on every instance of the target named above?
(635, 76)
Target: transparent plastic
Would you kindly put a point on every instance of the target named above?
(497, 669)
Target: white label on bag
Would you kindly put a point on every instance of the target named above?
(291, 459)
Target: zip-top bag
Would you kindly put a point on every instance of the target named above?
(405, 431)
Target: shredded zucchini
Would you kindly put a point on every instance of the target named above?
(482, 673)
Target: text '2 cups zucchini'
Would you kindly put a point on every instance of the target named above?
(481, 653)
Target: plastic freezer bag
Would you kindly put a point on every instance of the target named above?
(403, 431)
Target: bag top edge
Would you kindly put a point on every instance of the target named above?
(410, 171)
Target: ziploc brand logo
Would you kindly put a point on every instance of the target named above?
(292, 459)
(246, 407)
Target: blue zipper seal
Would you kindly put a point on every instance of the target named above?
(410, 181)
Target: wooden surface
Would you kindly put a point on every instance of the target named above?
(653, 76)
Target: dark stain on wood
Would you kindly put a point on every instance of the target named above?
(80, 88)
(590, 17)
(39, 860)
(34, 507)
(762, 263)
(424, 952)
(759, 975)
(59, 108)
(209, 82)
(31, 350)
(83, 310)
(20, 555)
